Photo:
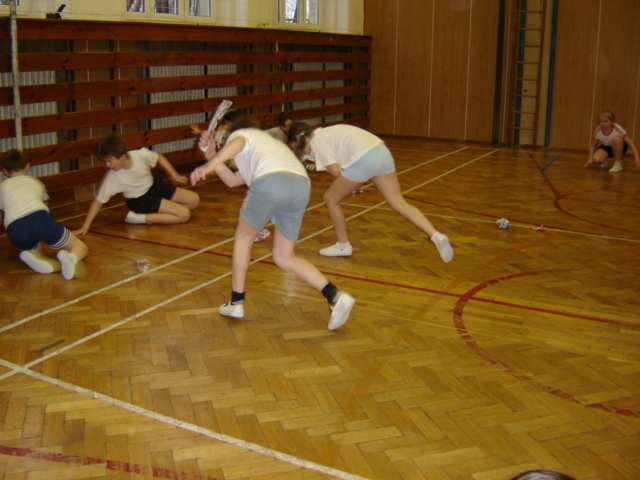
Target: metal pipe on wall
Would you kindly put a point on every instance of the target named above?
(17, 106)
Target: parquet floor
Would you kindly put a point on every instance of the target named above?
(522, 353)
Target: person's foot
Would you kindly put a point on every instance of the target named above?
(36, 261)
(233, 310)
(68, 262)
(617, 167)
(444, 247)
(135, 218)
(340, 310)
(262, 235)
(337, 250)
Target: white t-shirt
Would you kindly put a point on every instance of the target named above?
(131, 182)
(262, 154)
(617, 131)
(341, 144)
(21, 196)
(277, 133)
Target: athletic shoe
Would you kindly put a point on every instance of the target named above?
(444, 247)
(36, 261)
(340, 310)
(337, 250)
(617, 167)
(68, 263)
(233, 310)
(262, 235)
(135, 218)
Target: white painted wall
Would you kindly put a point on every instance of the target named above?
(339, 16)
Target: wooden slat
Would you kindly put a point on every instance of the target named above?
(92, 30)
(30, 62)
(66, 151)
(130, 88)
(68, 121)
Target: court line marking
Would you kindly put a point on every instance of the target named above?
(334, 273)
(205, 432)
(126, 280)
(526, 226)
(216, 279)
(26, 369)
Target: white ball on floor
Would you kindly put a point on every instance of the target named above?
(503, 223)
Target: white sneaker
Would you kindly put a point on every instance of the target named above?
(262, 235)
(234, 310)
(340, 310)
(36, 262)
(337, 250)
(68, 263)
(444, 247)
(617, 167)
(135, 218)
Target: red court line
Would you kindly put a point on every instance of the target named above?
(558, 197)
(113, 465)
(458, 322)
(386, 283)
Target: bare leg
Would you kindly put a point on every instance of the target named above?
(617, 145)
(170, 212)
(286, 259)
(186, 197)
(339, 189)
(243, 241)
(390, 189)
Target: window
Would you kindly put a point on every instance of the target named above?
(6, 2)
(299, 11)
(136, 6)
(200, 8)
(169, 7)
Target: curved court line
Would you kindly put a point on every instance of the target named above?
(221, 437)
(558, 197)
(469, 340)
(185, 257)
(389, 283)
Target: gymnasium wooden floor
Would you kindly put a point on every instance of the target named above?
(524, 352)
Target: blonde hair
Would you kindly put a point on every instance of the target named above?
(608, 115)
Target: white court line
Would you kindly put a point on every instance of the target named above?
(207, 283)
(15, 369)
(526, 226)
(158, 417)
(177, 260)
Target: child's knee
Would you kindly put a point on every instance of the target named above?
(194, 200)
(184, 214)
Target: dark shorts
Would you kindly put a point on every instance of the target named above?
(150, 201)
(609, 149)
(26, 232)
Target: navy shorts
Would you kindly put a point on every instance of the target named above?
(150, 201)
(609, 149)
(26, 232)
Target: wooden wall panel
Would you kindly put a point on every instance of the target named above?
(574, 75)
(482, 69)
(617, 74)
(414, 64)
(449, 75)
(381, 24)
(596, 68)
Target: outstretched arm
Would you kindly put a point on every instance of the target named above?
(93, 211)
(171, 172)
(217, 160)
